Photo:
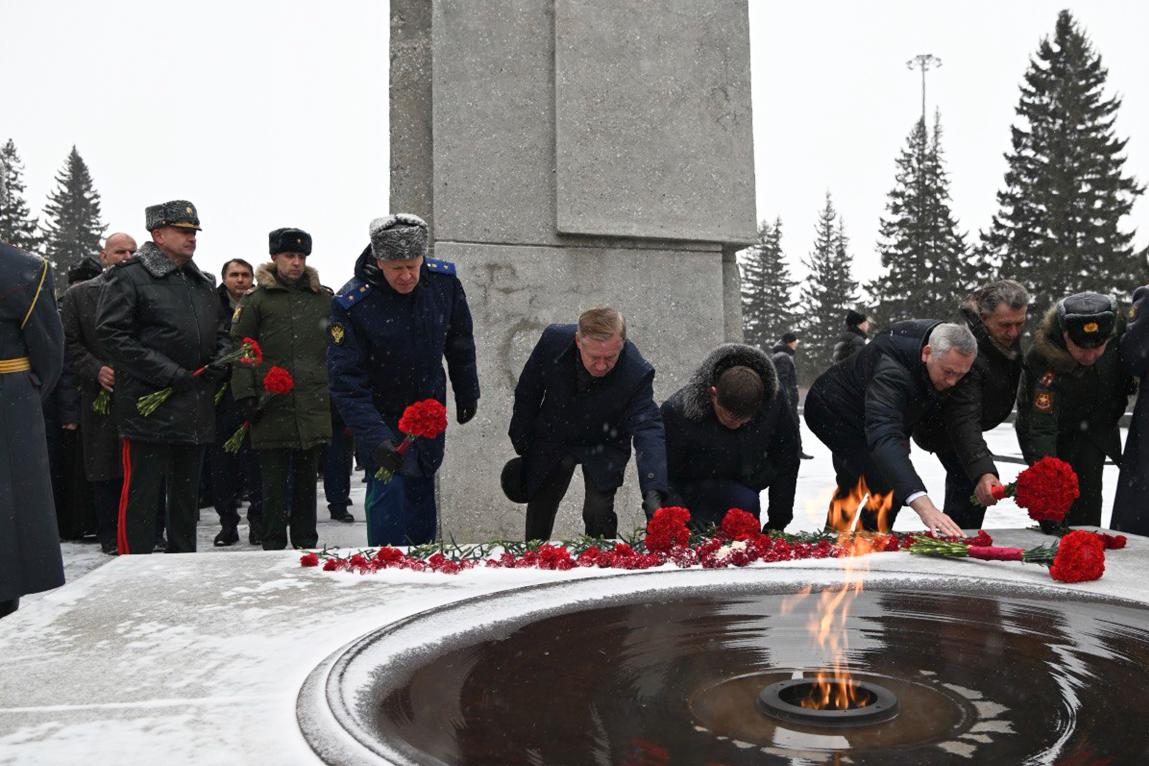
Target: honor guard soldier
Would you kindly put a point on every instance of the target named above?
(31, 360)
(391, 327)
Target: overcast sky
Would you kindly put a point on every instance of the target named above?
(269, 115)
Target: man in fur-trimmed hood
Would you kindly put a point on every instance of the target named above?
(287, 313)
(730, 433)
(1074, 390)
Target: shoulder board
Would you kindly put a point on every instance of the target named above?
(1047, 379)
(439, 267)
(352, 293)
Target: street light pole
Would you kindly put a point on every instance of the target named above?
(924, 62)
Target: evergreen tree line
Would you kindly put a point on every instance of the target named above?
(70, 227)
(1057, 229)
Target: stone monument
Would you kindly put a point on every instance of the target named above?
(567, 154)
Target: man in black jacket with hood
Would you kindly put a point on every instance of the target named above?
(995, 314)
(730, 433)
(865, 408)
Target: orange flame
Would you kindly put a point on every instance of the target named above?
(837, 690)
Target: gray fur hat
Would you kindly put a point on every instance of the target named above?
(398, 237)
(177, 212)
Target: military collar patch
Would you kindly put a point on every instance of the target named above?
(337, 333)
(1047, 379)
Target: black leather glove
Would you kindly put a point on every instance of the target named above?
(386, 457)
(216, 373)
(249, 408)
(182, 380)
(466, 411)
(652, 500)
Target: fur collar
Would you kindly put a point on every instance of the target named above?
(265, 277)
(696, 394)
(159, 265)
(1051, 346)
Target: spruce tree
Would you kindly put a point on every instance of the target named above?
(17, 226)
(927, 263)
(767, 289)
(73, 228)
(827, 293)
(1058, 228)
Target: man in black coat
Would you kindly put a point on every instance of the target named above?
(31, 360)
(783, 357)
(1131, 505)
(90, 364)
(995, 314)
(865, 408)
(730, 433)
(583, 394)
(853, 339)
(159, 321)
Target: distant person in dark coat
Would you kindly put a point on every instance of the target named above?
(391, 328)
(583, 395)
(995, 314)
(730, 433)
(853, 339)
(1131, 506)
(31, 360)
(783, 357)
(1074, 390)
(865, 408)
(90, 363)
(159, 321)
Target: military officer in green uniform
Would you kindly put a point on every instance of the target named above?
(287, 313)
(1073, 391)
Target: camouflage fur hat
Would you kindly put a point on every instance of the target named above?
(399, 237)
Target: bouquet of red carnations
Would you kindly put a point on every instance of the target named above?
(1046, 489)
(1078, 557)
(426, 419)
(276, 381)
(248, 352)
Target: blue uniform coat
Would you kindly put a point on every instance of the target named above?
(552, 418)
(1131, 506)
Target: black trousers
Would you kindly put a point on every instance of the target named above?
(1088, 460)
(231, 474)
(149, 467)
(289, 474)
(853, 469)
(959, 489)
(106, 497)
(597, 509)
(337, 464)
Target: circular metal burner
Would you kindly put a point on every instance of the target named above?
(783, 700)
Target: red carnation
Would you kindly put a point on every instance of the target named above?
(1046, 489)
(278, 381)
(310, 559)
(1112, 542)
(426, 419)
(667, 529)
(251, 352)
(737, 524)
(1080, 557)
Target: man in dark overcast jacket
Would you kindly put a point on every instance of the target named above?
(865, 408)
(1131, 505)
(995, 314)
(730, 433)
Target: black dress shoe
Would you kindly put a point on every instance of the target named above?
(226, 536)
(161, 545)
(804, 456)
(110, 549)
(343, 516)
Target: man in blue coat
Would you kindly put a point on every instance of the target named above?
(391, 327)
(1130, 509)
(583, 395)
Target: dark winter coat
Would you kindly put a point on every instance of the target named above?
(880, 394)
(1131, 506)
(553, 418)
(290, 323)
(154, 319)
(98, 433)
(30, 335)
(849, 343)
(386, 351)
(783, 358)
(1059, 399)
(980, 402)
(764, 452)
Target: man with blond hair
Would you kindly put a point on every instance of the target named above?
(582, 397)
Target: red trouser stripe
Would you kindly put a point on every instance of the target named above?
(122, 524)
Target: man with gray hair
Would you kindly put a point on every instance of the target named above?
(995, 313)
(864, 409)
(391, 327)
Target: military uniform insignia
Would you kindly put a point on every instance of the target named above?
(1090, 327)
(1043, 402)
(1047, 379)
(235, 314)
(337, 333)
(190, 210)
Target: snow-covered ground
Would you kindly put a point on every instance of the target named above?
(815, 486)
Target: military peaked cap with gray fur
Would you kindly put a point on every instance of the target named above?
(398, 237)
(177, 212)
(289, 240)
